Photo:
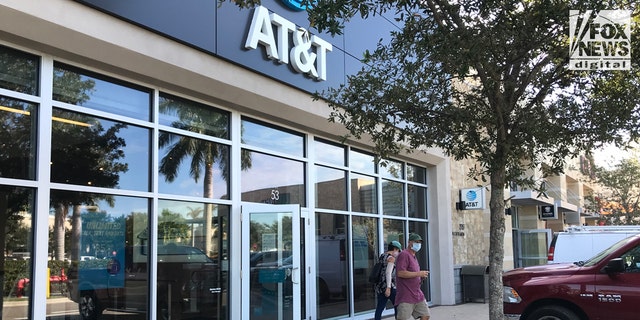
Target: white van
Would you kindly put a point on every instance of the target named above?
(581, 243)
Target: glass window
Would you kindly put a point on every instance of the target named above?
(332, 266)
(91, 151)
(273, 180)
(417, 201)
(193, 167)
(393, 230)
(102, 242)
(422, 255)
(362, 162)
(392, 169)
(392, 198)
(416, 174)
(365, 247)
(191, 116)
(260, 135)
(193, 242)
(18, 71)
(17, 138)
(329, 153)
(83, 88)
(17, 205)
(331, 188)
(364, 197)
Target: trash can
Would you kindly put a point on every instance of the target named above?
(475, 282)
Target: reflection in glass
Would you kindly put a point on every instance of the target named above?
(331, 188)
(271, 261)
(392, 198)
(193, 261)
(365, 247)
(421, 228)
(273, 180)
(83, 88)
(268, 137)
(362, 162)
(17, 138)
(329, 153)
(393, 230)
(533, 249)
(18, 71)
(101, 242)
(417, 201)
(392, 169)
(194, 117)
(363, 193)
(416, 174)
(97, 152)
(16, 211)
(193, 167)
(332, 266)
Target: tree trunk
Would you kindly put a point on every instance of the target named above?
(208, 209)
(58, 230)
(76, 232)
(496, 244)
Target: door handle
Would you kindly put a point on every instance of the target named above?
(295, 274)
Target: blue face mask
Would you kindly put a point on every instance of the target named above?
(416, 246)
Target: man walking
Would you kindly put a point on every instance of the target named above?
(410, 299)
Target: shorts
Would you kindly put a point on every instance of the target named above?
(413, 310)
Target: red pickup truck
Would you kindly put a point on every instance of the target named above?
(604, 287)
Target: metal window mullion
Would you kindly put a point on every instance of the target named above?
(40, 230)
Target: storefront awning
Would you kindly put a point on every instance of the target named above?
(530, 198)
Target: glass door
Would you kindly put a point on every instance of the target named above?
(531, 246)
(271, 262)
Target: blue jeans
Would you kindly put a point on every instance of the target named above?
(382, 303)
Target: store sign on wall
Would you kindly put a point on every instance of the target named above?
(307, 54)
(473, 198)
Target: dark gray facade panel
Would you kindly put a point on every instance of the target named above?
(232, 33)
(222, 30)
(192, 22)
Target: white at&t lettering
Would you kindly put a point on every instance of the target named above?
(302, 57)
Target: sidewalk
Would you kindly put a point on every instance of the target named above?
(471, 310)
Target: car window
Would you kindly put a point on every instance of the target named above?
(598, 257)
(631, 260)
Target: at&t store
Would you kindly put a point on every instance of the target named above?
(164, 160)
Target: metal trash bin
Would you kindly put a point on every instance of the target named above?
(475, 282)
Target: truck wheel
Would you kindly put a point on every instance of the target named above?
(552, 313)
(88, 306)
(323, 292)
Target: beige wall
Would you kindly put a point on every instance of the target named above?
(470, 228)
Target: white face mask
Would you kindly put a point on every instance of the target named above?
(416, 246)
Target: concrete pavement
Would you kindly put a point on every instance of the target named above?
(465, 311)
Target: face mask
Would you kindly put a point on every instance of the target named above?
(416, 246)
(395, 254)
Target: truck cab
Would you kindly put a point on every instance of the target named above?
(600, 288)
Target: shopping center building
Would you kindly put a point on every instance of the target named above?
(165, 160)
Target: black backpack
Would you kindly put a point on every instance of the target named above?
(374, 276)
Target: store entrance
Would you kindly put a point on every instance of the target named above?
(271, 261)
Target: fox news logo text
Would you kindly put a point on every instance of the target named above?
(600, 40)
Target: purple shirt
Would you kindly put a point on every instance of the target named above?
(408, 289)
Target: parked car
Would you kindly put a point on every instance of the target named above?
(603, 287)
(581, 243)
(20, 253)
(188, 283)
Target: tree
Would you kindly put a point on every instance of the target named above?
(620, 203)
(482, 80)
